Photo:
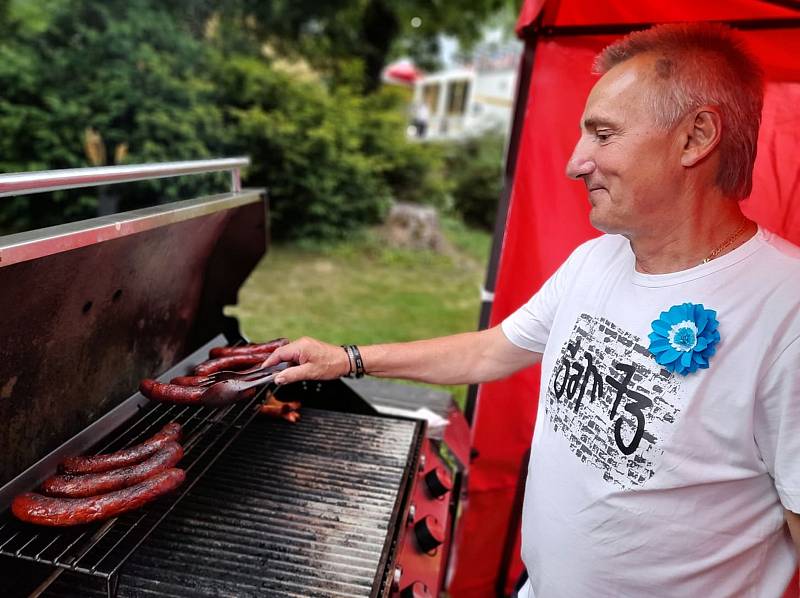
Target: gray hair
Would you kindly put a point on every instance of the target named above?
(702, 64)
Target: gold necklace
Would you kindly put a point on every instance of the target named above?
(715, 253)
(726, 243)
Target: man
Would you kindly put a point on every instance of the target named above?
(664, 459)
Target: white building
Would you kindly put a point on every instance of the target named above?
(470, 99)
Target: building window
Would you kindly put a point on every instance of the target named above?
(457, 97)
(430, 95)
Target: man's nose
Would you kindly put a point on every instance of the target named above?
(579, 164)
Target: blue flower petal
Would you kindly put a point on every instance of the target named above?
(674, 315)
(702, 343)
(688, 311)
(686, 359)
(668, 356)
(660, 327)
(701, 320)
(658, 346)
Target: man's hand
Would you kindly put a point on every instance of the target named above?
(316, 361)
(468, 358)
(793, 521)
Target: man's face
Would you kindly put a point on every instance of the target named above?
(629, 165)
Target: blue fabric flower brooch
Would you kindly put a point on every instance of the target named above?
(685, 337)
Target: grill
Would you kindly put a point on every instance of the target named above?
(284, 511)
(339, 504)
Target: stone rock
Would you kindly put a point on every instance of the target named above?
(414, 226)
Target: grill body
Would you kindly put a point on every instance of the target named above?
(326, 507)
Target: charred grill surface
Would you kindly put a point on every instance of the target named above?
(305, 510)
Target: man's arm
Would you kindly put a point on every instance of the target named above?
(467, 358)
(793, 521)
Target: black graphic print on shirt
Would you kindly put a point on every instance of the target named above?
(611, 401)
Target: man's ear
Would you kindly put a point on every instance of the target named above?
(702, 135)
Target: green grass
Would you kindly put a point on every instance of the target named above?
(364, 292)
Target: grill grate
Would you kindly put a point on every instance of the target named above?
(100, 549)
(301, 510)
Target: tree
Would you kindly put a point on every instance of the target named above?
(369, 31)
(126, 70)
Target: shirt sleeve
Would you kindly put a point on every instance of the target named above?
(529, 326)
(777, 424)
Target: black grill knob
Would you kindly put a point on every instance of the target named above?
(429, 533)
(438, 482)
(416, 590)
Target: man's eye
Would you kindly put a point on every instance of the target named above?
(602, 136)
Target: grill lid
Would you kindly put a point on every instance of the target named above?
(105, 302)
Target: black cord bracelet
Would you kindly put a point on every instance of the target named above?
(359, 362)
(350, 360)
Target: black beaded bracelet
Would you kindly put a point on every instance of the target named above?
(358, 361)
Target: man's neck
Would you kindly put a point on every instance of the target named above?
(702, 235)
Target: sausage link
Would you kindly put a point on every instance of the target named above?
(46, 510)
(288, 410)
(123, 457)
(249, 348)
(232, 362)
(170, 393)
(92, 484)
(190, 380)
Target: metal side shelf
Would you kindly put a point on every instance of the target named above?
(100, 549)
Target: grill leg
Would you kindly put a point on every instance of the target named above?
(112, 585)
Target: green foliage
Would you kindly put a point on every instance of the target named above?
(125, 69)
(475, 167)
(331, 159)
(200, 78)
(306, 148)
(325, 33)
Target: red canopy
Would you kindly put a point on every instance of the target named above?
(546, 217)
(401, 72)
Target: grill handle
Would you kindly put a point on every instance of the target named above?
(25, 183)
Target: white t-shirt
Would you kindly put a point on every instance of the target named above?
(644, 482)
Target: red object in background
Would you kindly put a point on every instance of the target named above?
(548, 217)
(402, 72)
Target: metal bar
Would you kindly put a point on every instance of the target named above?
(388, 558)
(24, 183)
(29, 245)
(625, 28)
(512, 153)
(236, 180)
(512, 531)
(791, 4)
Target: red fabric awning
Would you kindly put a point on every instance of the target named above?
(614, 12)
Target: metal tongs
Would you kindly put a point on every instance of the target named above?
(229, 386)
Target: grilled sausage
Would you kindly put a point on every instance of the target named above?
(232, 362)
(170, 393)
(190, 380)
(46, 510)
(124, 457)
(183, 395)
(92, 484)
(288, 410)
(249, 348)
